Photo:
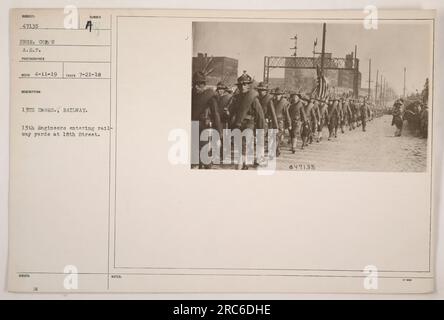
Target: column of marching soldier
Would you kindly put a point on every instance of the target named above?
(262, 108)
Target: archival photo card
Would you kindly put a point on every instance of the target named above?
(321, 122)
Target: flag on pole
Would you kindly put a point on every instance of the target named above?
(321, 89)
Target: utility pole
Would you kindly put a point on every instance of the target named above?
(315, 43)
(376, 86)
(380, 91)
(356, 55)
(369, 77)
(355, 78)
(405, 71)
(324, 32)
(384, 92)
(295, 48)
(266, 70)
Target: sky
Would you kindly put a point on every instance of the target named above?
(391, 47)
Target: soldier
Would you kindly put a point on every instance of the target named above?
(358, 112)
(371, 114)
(283, 118)
(204, 109)
(224, 100)
(247, 112)
(416, 119)
(295, 111)
(266, 100)
(308, 122)
(333, 118)
(348, 113)
(369, 111)
(341, 115)
(364, 114)
(317, 130)
(424, 121)
(398, 116)
(323, 117)
(353, 114)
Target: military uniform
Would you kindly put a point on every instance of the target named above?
(224, 100)
(323, 118)
(247, 113)
(346, 108)
(333, 119)
(267, 104)
(398, 117)
(313, 116)
(364, 115)
(204, 110)
(353, 113)
(282, 117)
(309, 123)
(424, 122)
(295, 111)
(341, 115)
(316, 121)
(358, 113)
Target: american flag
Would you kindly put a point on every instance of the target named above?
(321, 89)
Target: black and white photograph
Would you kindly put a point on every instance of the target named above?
(262, 152)
(324, 96)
